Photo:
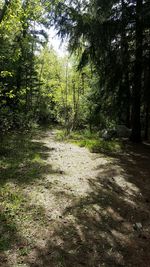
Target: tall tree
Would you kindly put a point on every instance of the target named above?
(111, 36)
(137, 81)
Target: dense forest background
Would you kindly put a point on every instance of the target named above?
(75, 133)
(104, 80)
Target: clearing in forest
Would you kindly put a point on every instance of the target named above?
(62, 206)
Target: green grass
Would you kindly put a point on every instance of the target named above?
(22, 164)
(22, 159)
(92, 141)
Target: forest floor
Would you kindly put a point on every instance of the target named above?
(62, 206)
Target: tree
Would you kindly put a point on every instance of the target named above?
(137, 82)
(19, 41)
(111, 36)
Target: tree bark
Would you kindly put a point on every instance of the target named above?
(124, 94)
(137, 82)
(146, 134)
(4, 9)
(147, 97)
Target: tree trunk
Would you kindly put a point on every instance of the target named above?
(146, 134)
(4, 9)
(66, 100)
(74, 105)
(124, 94)
(137, 82)
(147, 96)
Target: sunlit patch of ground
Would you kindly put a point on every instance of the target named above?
(62, 206)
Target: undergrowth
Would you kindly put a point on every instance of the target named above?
(22, 165)
(92, 141)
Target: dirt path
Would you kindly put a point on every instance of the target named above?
(89, 210)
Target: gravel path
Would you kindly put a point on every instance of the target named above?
(93, 204)
(72, 169)
(84, 209)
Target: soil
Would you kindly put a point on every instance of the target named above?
(92, 210)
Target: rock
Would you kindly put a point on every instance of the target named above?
(120, 131)
(109, 134)
(137, 226)
(105, 135)
(123, 131)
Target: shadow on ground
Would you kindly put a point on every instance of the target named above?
(23, 159)
(22, 163)
(101, 228)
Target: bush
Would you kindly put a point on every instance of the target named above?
(12, 120)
